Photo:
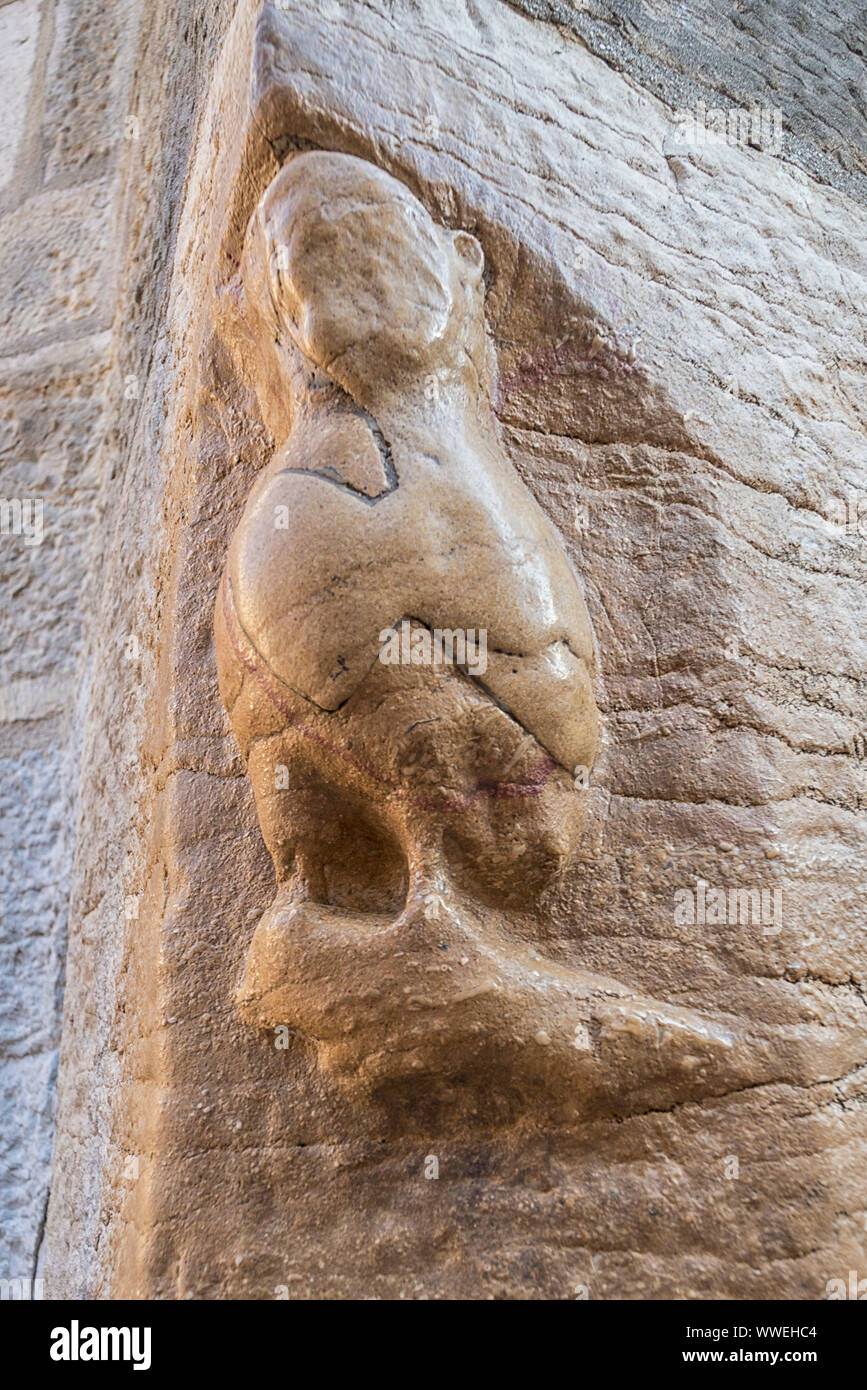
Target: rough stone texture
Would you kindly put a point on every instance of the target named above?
(681, 367)
(58, 262)
(808, 61)
(19, 27)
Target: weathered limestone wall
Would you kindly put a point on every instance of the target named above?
(64, 72)
(128, 121)
(681, 360)
(808, 63)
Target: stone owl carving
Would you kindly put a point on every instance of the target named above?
(407, 801)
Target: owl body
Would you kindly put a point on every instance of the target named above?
(346, 534)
